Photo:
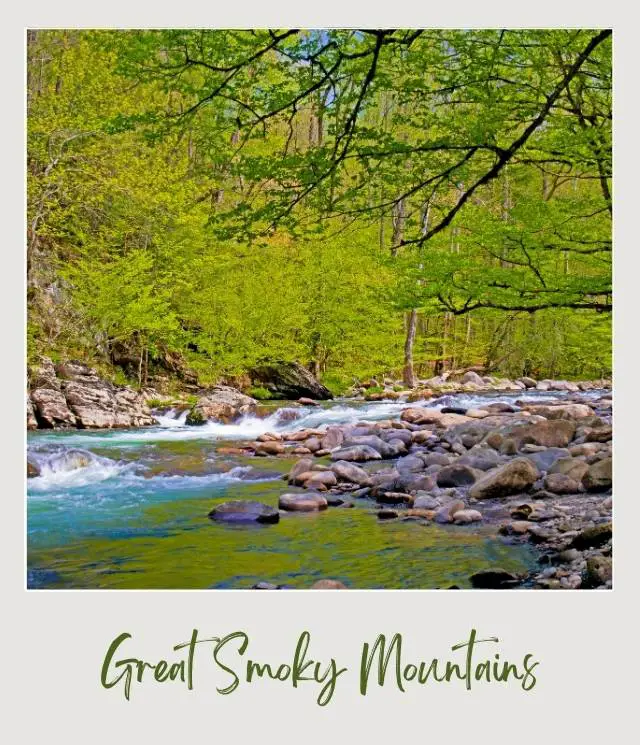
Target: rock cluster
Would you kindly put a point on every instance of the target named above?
(469, 381)
(72, 394)
(539, 473)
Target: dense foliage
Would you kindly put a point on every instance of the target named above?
(361, 201)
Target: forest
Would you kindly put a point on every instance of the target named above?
(365, 202)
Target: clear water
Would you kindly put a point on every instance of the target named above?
(128, 509)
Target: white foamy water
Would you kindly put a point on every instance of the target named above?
(172, 424)
(64, 470)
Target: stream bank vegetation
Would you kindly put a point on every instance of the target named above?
(365, 202)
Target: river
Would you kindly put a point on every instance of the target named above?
(127, 509)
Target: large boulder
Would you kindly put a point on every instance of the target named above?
(575, 468)
(473, 377)
(51, 409)
(221, 404)
(560, 411)
(350, 472)
(555, 433)
(289, 380)
(73, 395)
(99, 404)
(244, 511)
(513, 477)
(49, 405)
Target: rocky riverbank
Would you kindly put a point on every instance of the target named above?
(536, 472)
(530, 469)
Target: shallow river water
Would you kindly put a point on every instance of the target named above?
(132, 513)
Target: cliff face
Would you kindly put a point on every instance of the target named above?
(73, 395)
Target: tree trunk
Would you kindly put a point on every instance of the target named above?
(408, 374)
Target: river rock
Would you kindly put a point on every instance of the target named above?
(32, 422)
(432, 416)
(391, 497)
(414, 482)
(349, 472)
(222, 404)
(560, 483)
(304, 401)
(321, 480)
(302, 502)
(511, 478)
(599, 476)
(598, 571)
(556, 433)
(425, 502)
(328, 584)
(599, 434)
(545, 459)
(560, 411)
(473, 377)
(269, 448)
(79, 397)
(289, 380)
(445, 513)
(333, 438)
(586, 449)
(482, 459)
(51, 409)
(356, 453)
(494, 579)
(572, 467)
(466, 517)
(455, 475)
(302, 466)
(592, 537)
(244, 511)
(371, 441)
(477, 413)
(527, 382)
(32, 470)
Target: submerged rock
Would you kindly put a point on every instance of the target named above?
(302, 502)
(328, 584)
(494, 579)
(244, 511)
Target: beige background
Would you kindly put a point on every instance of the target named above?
(53, 642)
